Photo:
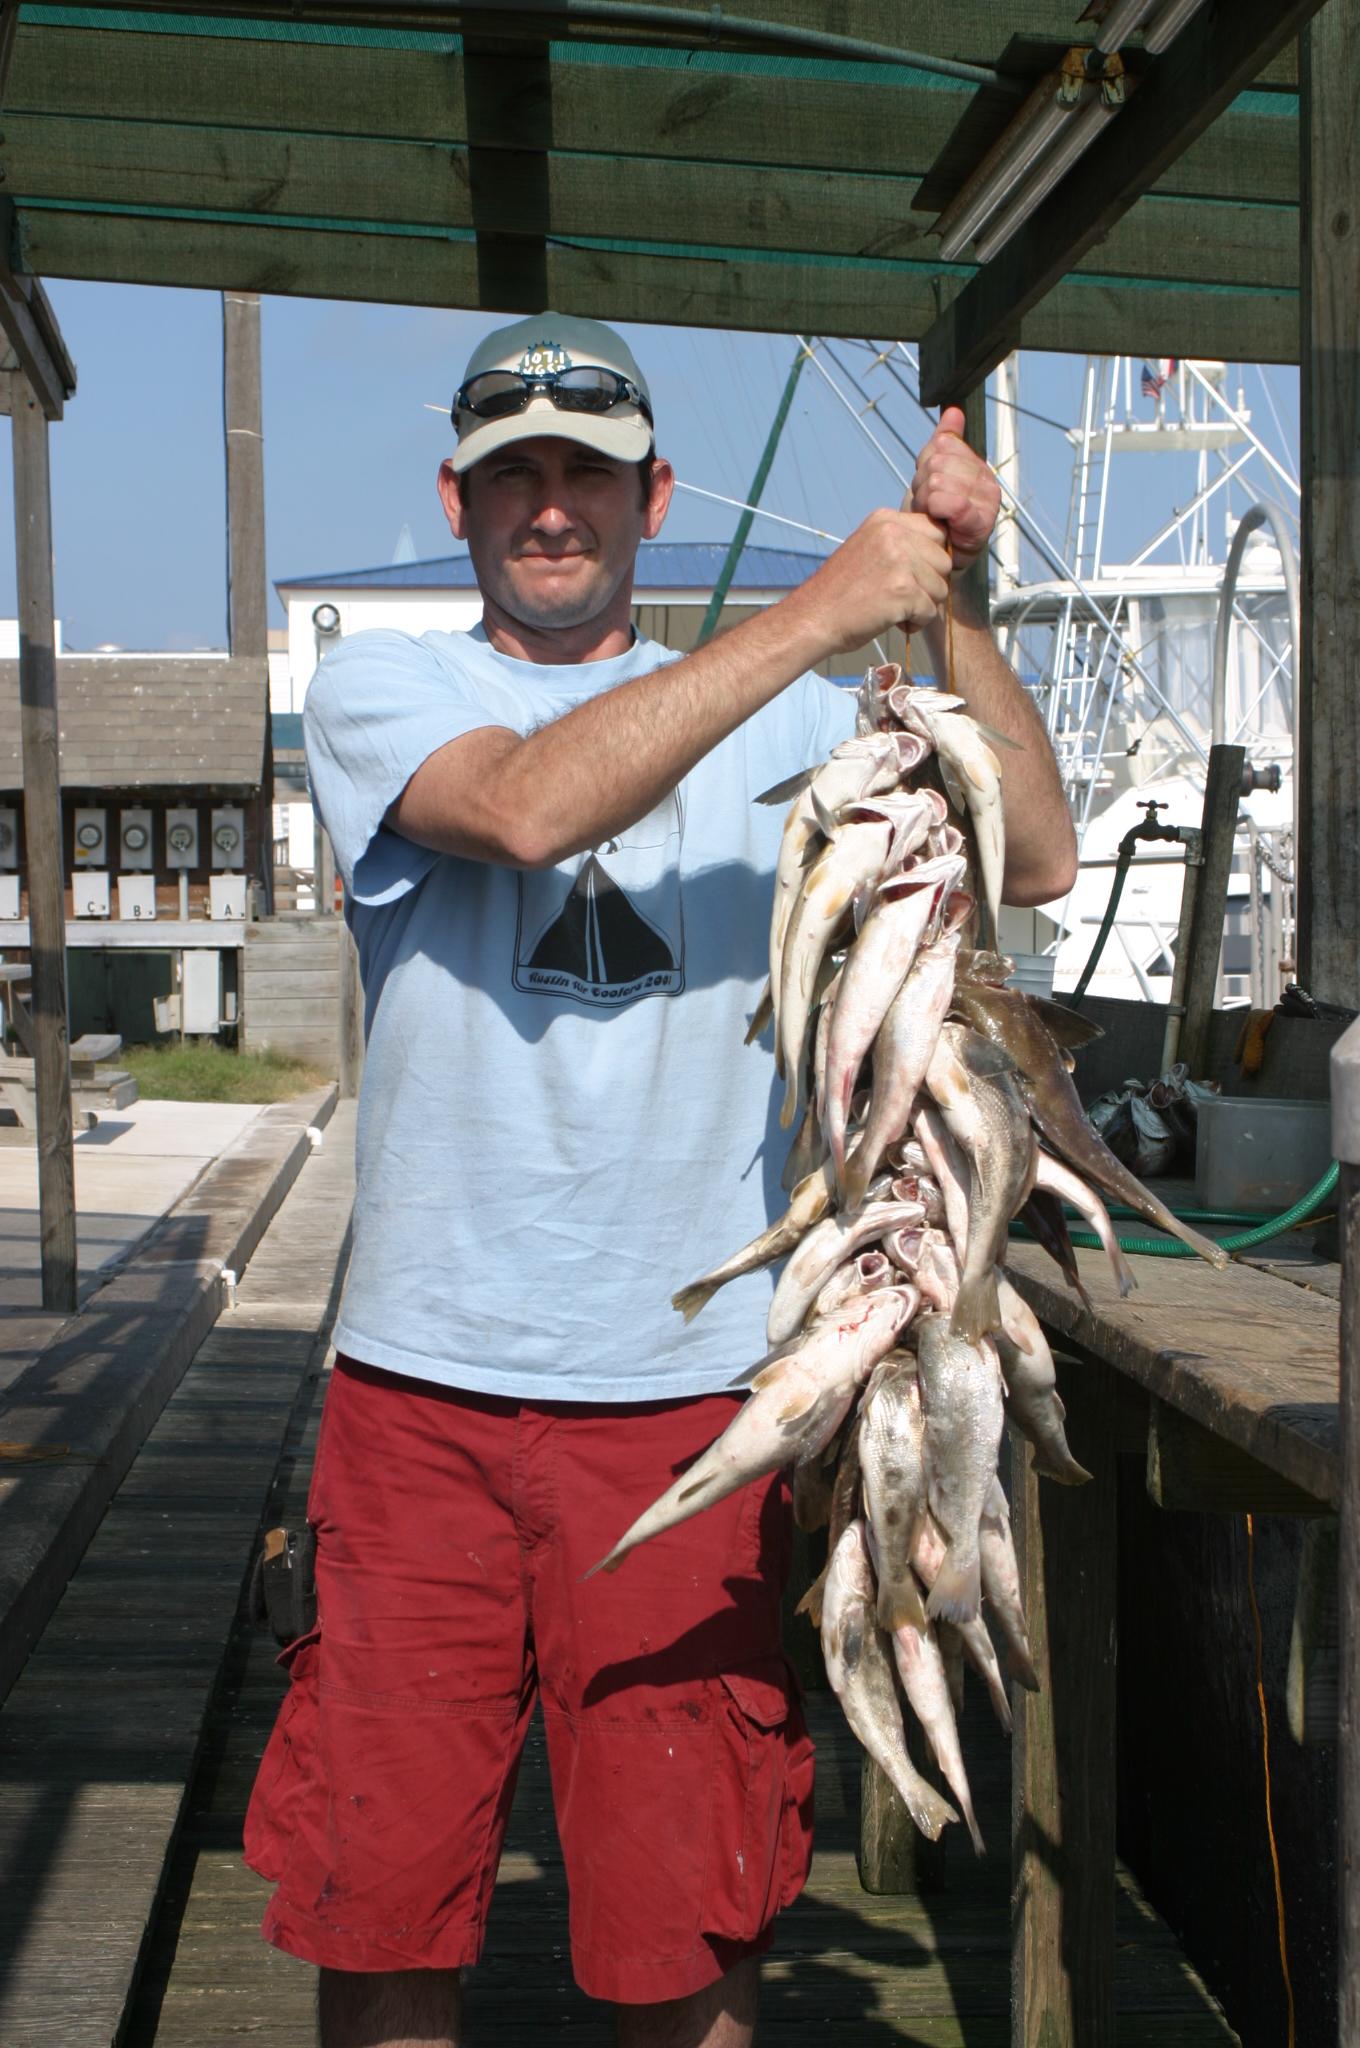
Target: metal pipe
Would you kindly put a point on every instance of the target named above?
(1166, 25)
(1262, 514)
(1041, 119)
(1086, 124)
(706, 26)
(1345, 1077)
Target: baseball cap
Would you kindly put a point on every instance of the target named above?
(543, 345)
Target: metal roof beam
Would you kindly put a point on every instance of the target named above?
(1213, 59)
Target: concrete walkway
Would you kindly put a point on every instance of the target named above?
(131, 1169)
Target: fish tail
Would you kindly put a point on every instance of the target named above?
(1021, 1666)
(978, 1308)
(689, 1300)
(791, 1094)
(979, 1846)
(957, 1591)
(1065, 1471)
(611, 1561)
(929, 1809)
(899, 1605)
(1123, 1271)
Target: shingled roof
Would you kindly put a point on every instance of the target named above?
(135, 721)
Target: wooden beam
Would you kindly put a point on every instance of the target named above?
(1191, 1470)
(42, 829)
(1328, 740)
(1209, 62)
(30, 325)
(889, 128)
(509, 194)
(243, 427)
(1062, 1763)
(512, 254)
(718, 290)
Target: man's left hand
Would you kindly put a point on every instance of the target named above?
(955, 487)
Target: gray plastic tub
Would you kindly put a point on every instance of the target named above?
(1259, 1152)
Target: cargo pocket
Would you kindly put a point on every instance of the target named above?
(288, 1766)
(760, 1844)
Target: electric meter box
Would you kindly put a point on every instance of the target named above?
(9, 894)
(134, 837)
(229, 837)
(9, 837)
(227, 896)
(92, 840)
(136, 896)
(90, 893)
(181, 838)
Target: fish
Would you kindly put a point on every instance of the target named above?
(849, 864)
(807, 1151)
(961, 1396)
(971, 1637)
(983, 1111)
(972, 776)
(857, 1276)
(907, 912)
(810, 1201)
(1044, 1214)
(813, 1487)
(836, 1238)
(921, 1667)
(1026, 1362)
(860, 1668)
(902, 1051)
(1001, 1584)
(1032, 1399)
(798, 1401)
(1058, 1179)
(1030, 1035)
(892, 1463)
(845, 1505)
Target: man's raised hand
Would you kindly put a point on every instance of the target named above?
(892, 571)
(954, 487)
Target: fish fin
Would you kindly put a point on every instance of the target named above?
(696, 1486)
(812, 851)
(761, 1016)
(999, 739)
(811, 1602)
(984, 1059)
(1065, 1026)
(797, 1406)
(1021, 1668)
(977, 1309)
(610, 1562)
(979, 1846)
(784, 792)
(899, 1605)
(825, 818)
(689, 1300)
(957, 1591)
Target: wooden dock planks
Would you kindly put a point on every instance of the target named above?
(99, 1737)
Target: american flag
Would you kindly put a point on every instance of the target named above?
(1154, 381)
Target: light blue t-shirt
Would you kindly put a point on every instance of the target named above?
(559, 1124)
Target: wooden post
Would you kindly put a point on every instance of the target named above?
(1218, 828)
(1345, 1076)
(351, 1016)
(894, 1856)
(976, 584)
(1327, 744)
(1062, 1762)
(42, 826)
(247, 582)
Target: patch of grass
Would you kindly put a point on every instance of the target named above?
(199, 1071)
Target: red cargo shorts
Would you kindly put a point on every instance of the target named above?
(453, 1531)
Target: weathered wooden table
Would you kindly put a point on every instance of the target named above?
(1227, 1384)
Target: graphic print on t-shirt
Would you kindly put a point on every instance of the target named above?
(607, 927)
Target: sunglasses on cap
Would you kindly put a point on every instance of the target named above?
(495, 394)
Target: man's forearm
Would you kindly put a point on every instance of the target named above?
(1041, 848)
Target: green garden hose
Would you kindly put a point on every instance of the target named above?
(1240, 1241)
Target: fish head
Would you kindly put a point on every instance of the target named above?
(903, 1248)
(991, 969)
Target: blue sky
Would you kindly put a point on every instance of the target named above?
(351, 447)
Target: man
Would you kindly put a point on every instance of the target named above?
(560, 885)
